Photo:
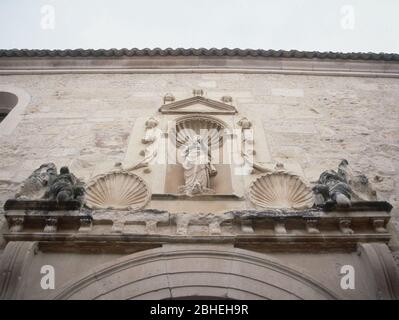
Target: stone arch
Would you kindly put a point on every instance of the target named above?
(8, 101)
(16, 100)
(175, 272)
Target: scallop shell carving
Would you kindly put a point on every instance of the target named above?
(210, 129)
(117, 190)
(280, 190)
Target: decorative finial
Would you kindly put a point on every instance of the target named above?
(244, 123)
(167, 98)
(198, 92)
(227, 99)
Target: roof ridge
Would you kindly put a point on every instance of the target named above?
(198, 52)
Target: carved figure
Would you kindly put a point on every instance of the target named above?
(334, 186)
(197, 167)
(64, 187)
(150, 139)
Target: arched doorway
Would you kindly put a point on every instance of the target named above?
(178, 272)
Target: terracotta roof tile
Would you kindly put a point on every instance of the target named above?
(213, 52)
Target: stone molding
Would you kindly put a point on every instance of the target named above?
(186, 61)
(14, 117)
(14, 263)
(224, 272)
(309, 229)
(182, 106)
(381, 265)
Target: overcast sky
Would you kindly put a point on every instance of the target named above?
(322, 25)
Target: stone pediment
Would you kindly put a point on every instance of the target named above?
(197, 104)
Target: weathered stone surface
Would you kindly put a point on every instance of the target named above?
(91, 122)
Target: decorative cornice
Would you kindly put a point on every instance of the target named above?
(312, 226)
(213, 52)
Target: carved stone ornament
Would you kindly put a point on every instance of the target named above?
(117, 190)
(197, 167)
(197, 104)
(36, 185)
(198, 92)
(45, 189)
(65, 187)
(210, 129)
(168, 98)
(280, 190)
(227, 99)
(150, 139)
(342, 186)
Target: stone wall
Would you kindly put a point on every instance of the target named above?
(311, 122)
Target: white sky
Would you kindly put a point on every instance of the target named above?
(322, 25)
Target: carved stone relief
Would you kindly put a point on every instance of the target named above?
(197, 104)
(117, 190)
(280, 190)
(196, 137)
(36, 185)
(150, 139)
(210, 129)
(197, 166)
(64, 187)
(44, 189)
(342, 187)
(249, 165)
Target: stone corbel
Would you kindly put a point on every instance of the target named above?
(379, 225)
(16, 224)
(85, 225)
(279, 227)
(312, 226)
(247, 226)
(51, 225)
(345, 226)
(214, 228)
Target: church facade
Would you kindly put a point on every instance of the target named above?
(185, 173)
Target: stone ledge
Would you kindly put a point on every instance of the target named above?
(198, 64)
(127, 243)
(359, 206)
(48, 205)
(233, 223)
(213, 197)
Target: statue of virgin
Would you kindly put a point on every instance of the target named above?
(197, 166)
